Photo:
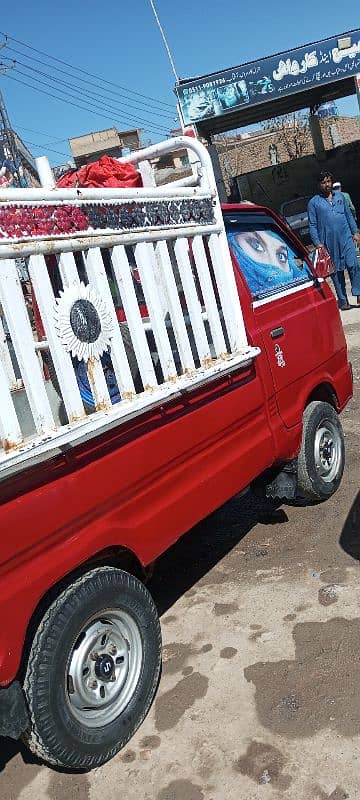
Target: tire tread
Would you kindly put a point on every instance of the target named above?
(40, 721)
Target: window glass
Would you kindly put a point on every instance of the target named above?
(267, 260)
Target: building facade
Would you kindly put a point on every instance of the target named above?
(111, 142)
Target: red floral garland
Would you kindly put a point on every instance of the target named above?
(16, 222)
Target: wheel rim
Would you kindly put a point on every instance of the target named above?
(104, 668)
(328, 451)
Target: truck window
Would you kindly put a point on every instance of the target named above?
(266, 258)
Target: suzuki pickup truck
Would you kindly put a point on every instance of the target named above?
(181, 352)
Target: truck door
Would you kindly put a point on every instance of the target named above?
(284, 301)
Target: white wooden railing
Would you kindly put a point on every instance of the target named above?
(173, 237)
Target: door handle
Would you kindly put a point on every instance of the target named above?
(276, 333)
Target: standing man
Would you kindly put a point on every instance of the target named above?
(337, 188)
(331, 224)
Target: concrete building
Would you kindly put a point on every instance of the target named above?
(111, 142)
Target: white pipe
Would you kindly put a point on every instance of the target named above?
(45, 172)
(99, 195)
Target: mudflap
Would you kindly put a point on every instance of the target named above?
(14, 718)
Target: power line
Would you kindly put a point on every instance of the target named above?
(151, 126)
(90, 83)
(57, 81)
(68, 102)
(83, 71)
(40, 133)
(51, 150)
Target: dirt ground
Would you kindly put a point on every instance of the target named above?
(259, 696)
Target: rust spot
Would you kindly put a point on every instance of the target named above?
(207, 362)
(103, 406)
(128, 395)
(77, 417)
(8, 445)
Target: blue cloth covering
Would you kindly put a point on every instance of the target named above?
(261, 277)
(83, 383)
(331, 223)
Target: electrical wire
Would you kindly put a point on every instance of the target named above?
(72, 86)
(50, 149)
(68, 102)
(89, 83)
(83, 71)
(150, 126)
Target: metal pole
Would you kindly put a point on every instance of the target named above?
(164, 40)
(357, 87)
(45, 173)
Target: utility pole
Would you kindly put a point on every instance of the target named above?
(167, 48)
(7, 138)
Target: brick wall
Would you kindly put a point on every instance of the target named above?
(272, 186)
(239, 156)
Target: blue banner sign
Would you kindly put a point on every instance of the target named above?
(275, 76)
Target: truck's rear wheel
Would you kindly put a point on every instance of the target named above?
(321, 459)
(93, 669)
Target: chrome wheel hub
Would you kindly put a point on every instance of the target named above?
(327, 451)
(104, 668)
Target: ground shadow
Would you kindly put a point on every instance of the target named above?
(350, 534)
(199, 550)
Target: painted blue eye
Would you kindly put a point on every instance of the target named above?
(255, 243)
(282, 256)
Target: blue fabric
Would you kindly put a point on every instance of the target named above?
(354, 273)
(83, 383)
(338, 279)
(263, 277)
(331, 223)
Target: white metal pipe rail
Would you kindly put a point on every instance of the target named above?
(167, 244)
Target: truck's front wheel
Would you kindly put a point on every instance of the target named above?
(93, 669)
(322, 455)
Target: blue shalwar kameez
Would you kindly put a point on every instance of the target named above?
(332, 224)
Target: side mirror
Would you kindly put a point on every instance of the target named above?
(322, 263)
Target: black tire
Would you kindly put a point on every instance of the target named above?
(71, 724)
(321, 459)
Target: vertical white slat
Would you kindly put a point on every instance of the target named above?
(174, 306)
(5, 358)
(229, 297)
(62, 361)
(68, 270)
(146, 264)
(12, 300)
(95, 372)
(125, 284)
(10, 433)
(98, 385)
(181, 248)
(208, 294)
(97, 277)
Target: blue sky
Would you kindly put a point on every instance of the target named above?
(120, 43)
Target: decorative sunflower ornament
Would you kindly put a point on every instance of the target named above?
(83, 322)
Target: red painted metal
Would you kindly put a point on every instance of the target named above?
(142, 485)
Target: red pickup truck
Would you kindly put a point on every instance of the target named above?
(234, 377)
